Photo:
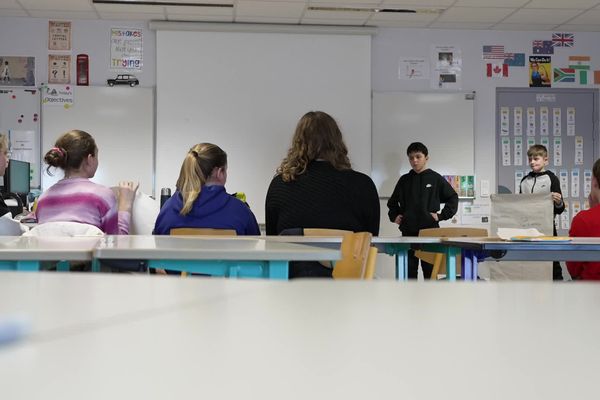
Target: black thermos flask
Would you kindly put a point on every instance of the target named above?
(165, 194)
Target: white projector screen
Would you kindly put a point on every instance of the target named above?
(246, 91)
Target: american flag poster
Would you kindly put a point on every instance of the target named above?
(563, 39)
(493, 52)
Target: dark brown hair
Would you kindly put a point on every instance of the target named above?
(70, 150)
(317, 136)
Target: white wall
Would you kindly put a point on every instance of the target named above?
(29, 37)
(389, 45)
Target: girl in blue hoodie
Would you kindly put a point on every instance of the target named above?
(201, 201)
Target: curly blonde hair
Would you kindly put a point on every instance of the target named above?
(317, 136)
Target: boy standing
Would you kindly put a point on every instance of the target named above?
(587, 224)
(541, 181)
(416, 199)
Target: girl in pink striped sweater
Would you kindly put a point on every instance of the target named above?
(77, 199)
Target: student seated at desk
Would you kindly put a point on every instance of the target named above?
(315, 187)
(201, 200)
(77, 199)
(587, 224)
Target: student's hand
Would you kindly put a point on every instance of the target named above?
(398, 219)
(127, 191)
(557, 198)
(435, 217)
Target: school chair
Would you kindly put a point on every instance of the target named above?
(200, 232)
(439, 259)
(355, 250)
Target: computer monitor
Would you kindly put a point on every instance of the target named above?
(16, 178)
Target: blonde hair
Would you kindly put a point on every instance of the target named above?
(197, 166)
(537, 150)
(3, 142)
(317, 136)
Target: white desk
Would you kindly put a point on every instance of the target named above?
(222, 256)
(25, 253)
(332, 340)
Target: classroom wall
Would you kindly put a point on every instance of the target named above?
(29, 37)
(390, 45)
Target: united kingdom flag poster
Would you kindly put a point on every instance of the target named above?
(563, 39)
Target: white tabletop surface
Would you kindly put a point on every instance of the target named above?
(315, 339)
(207, 248)
(391, 239)
(47, 248)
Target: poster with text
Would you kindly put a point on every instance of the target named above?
(126, 49)
(540, 68)
(59, 35)
(59, 69)
(413, 68)
(447, 67)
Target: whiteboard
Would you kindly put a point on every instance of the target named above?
(246, 92)
(121, 120)
(442, 121)
(19, 120)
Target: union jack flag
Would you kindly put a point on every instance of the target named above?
(563, 39)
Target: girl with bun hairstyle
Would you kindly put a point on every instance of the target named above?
(77, 199)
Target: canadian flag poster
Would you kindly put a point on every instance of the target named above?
(497, 70)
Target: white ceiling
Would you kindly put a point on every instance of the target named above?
(568, 15)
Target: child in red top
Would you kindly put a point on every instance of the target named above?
(587, 224)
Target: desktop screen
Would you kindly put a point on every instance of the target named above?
(18, 177)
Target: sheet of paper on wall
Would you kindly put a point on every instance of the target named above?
(563, 178)
(518, 178)
(447, 70)
(530, 121)
(22, 145)
(564, 217)
(505, 151)
(518, 121)
(587, 182)
(413, 68)
(574, 183)
(518, 150)
(557, 151)
(504, 113)
(545, 141)
(570, 121)
(578, 150)
(544, 121)
(556, 121)
(475, 213)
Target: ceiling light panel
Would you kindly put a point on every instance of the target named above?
(71, 5)
(475, 14)
(269, 9)
(540, 16)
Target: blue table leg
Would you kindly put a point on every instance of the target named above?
(402, 265)
(27, 265)
(95, 265)
(62, 266)
(278, 270)
(474, 265)
(467, 265)
(451, 253)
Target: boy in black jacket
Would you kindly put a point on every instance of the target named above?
(416, 200)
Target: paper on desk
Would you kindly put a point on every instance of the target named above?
(508, 233)
(10, 227)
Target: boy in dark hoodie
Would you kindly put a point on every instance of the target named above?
(416, 200)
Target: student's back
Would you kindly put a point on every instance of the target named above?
(201, 200)
(323, 197)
